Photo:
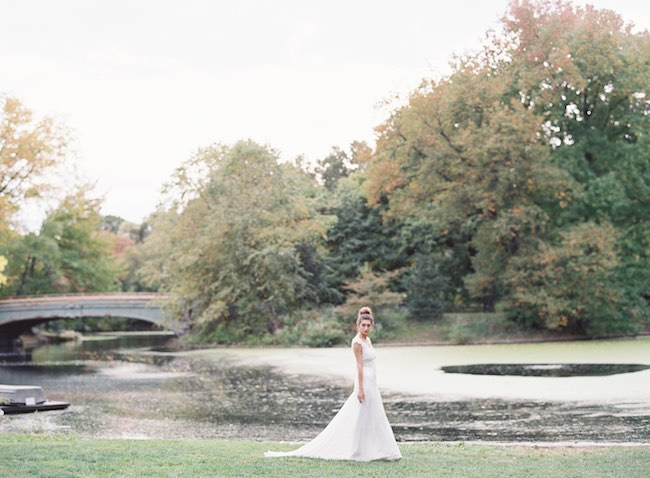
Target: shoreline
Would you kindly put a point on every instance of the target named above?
(416, 370)
(181, 346)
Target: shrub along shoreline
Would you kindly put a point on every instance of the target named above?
(395, 329)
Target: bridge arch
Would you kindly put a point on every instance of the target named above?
(20, 314)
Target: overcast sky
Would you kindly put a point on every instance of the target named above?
(143, 84)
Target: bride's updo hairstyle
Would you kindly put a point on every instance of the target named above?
(365, 314)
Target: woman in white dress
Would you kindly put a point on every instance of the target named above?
(360, 430)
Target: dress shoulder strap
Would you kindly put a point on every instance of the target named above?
(356, 340)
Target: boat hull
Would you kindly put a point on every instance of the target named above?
(39, 407)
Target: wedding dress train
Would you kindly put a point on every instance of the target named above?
(359, 431)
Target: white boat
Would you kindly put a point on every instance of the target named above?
(26, 399)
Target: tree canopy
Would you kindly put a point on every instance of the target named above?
(67, 255)
(229, 249)
(533, 156)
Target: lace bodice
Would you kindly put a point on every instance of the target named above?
(368, 355)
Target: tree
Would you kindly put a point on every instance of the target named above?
(540, 134)
(28, 150)
(33, 266)
(550, 287)
(334, 167)
(68, 254)
(230, 247)
(427, 288)
(461, 155)
(358, 237)
(111, 223)
(339, 164)
(126, 240)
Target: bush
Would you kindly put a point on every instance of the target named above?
(469, 327)
(322, 333)
(313, 328)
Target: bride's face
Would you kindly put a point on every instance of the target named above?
(364, 327)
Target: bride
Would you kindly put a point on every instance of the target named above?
(360, 430)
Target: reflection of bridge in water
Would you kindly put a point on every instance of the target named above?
(18, 315)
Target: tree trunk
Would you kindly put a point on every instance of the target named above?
(489, 303)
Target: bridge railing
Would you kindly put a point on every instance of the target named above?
(85, 294)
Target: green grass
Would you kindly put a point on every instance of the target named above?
(56, 456)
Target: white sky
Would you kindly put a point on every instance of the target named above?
(143, 84)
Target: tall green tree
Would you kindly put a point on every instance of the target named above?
(541, 134)
(67, 255)
(362, 237)
(359, 237)
(427, 288)
(230, 248)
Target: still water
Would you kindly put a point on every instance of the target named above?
(119, 386)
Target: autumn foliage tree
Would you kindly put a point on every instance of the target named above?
(533, 157)
(29, 148)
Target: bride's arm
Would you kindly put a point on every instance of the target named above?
(357, 354)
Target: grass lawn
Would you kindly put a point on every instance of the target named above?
(67, 457)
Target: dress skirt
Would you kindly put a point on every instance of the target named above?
(359, 431)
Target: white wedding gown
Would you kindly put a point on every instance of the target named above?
(359, 431)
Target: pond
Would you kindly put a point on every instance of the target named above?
(120, 388)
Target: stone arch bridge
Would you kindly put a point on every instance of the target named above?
(20, 314)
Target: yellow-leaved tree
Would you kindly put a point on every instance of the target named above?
(29, 148)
